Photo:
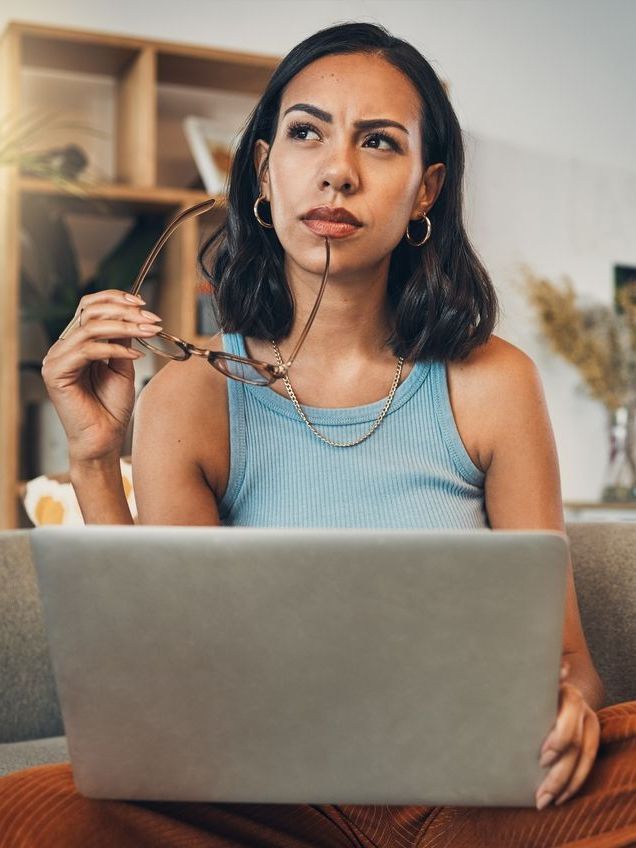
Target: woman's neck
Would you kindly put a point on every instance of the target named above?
(351, 325)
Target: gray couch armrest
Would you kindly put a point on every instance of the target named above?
(15, 756)
(604, 566)
(29, 707)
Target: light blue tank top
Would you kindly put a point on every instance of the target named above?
(412, 472)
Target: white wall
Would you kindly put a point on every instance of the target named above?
(559, 215)
(553, 75)
(545, 93)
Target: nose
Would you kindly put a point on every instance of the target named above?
(339, 172)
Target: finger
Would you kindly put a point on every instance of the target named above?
(587, 756)
(559, 775)
(118, 311)
(88, 302)
(567, 722)
(57, 374)
(58, 358)
(561, 771)
(114, 310)
(108, 295)
(122, 365)
(107, 328)
(104, 351)
(73, 353)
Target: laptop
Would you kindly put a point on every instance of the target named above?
(297, 665)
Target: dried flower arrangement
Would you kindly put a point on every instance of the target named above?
(599, 340)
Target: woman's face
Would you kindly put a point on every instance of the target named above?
(376, 172)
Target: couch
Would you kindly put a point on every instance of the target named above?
(31, 727)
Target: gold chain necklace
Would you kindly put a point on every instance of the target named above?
(375, 424)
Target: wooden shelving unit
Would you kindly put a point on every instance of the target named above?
(148, 82)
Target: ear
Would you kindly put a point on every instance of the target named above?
(429, 190)
(261, 151)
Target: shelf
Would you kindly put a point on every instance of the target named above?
(127, 98)
(600, 505)
(135, 94)
(151, 196)
(65, 48)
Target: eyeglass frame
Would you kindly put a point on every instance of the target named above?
(273, 372)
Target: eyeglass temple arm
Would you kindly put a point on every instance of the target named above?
(197, 210)
(316, 305)
(163, 238)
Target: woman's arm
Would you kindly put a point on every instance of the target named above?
(523, 491)
(522, 485)
(100, 492)
(177, 432)
(178, 420)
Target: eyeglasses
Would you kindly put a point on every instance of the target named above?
(242, 368)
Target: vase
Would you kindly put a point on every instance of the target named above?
(620, 475)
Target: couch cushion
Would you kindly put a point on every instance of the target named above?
(604, 565)
(15, 756)
(28, 699)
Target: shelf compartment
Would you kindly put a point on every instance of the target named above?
(125, 87)
(108, 86)
(204, 67)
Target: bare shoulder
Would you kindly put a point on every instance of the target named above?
(494, 386)
(494, 369)
(183, 411)
(497, 360)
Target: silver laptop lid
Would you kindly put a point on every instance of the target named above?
(305, 665)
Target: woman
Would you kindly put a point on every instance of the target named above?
(405, 411)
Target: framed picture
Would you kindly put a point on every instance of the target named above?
(212, 144)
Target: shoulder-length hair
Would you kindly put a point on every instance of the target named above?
(441, 297)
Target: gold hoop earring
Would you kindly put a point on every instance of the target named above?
(426, 237)
(258, 218)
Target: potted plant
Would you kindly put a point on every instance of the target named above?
(600, 341)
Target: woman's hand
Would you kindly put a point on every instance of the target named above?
(89, 374)
(571, 746)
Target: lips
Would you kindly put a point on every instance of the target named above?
(337, 215)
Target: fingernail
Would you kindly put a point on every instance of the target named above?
(150, 328)
(150, 315)
(544, 800)
(134, 298)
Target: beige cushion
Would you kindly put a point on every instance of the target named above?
(604, 564)
(52, 500)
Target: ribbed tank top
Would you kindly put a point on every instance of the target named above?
(412, 472)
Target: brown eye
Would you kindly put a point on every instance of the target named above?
(385, 137)
(294, 129)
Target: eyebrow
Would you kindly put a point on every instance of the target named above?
(367, 124)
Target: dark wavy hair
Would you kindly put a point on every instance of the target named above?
(441, 297)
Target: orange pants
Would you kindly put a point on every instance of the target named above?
(41, 808)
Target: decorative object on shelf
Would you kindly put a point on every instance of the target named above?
(212, 144)
(19, 135)
(51, 500)
(68, 161)
(620, 476)
(600, 341)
